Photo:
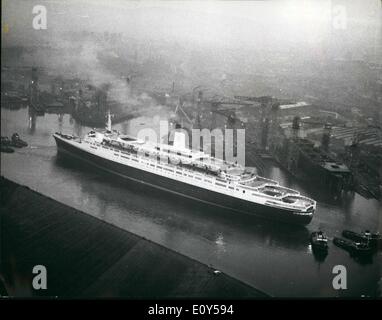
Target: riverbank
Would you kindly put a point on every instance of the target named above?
(86, 257)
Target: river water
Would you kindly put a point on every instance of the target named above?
(270, 256)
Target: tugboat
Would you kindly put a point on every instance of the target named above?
(372, 239)
(356, 248)
(17, 142)
(319, 241)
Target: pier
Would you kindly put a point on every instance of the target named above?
(86, 257)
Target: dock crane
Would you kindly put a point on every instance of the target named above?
(179, 107)
(325, 140)
(230, 113)
(269, 107)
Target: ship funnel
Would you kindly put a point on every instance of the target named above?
(179, 140)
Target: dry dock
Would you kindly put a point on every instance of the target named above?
(86, 257)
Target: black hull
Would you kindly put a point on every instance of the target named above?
(183, 189)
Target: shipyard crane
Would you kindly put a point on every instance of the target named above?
(261, 99)
(180, 107)
(216, 103)
(252, 154)
(265, 101)
(269, 106)
(228, 113)
(325, 141)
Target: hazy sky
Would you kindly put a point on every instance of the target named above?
(234, 23)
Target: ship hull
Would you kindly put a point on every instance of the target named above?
(183, 189)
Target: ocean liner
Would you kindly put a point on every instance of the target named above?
(188, 173)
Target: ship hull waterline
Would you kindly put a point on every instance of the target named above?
(182, 189)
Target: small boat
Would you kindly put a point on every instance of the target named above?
(17, 142)
(319, 241)
(5, 145)
(358, 248)
(5, 141)
(7, 149)
(365, 237)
